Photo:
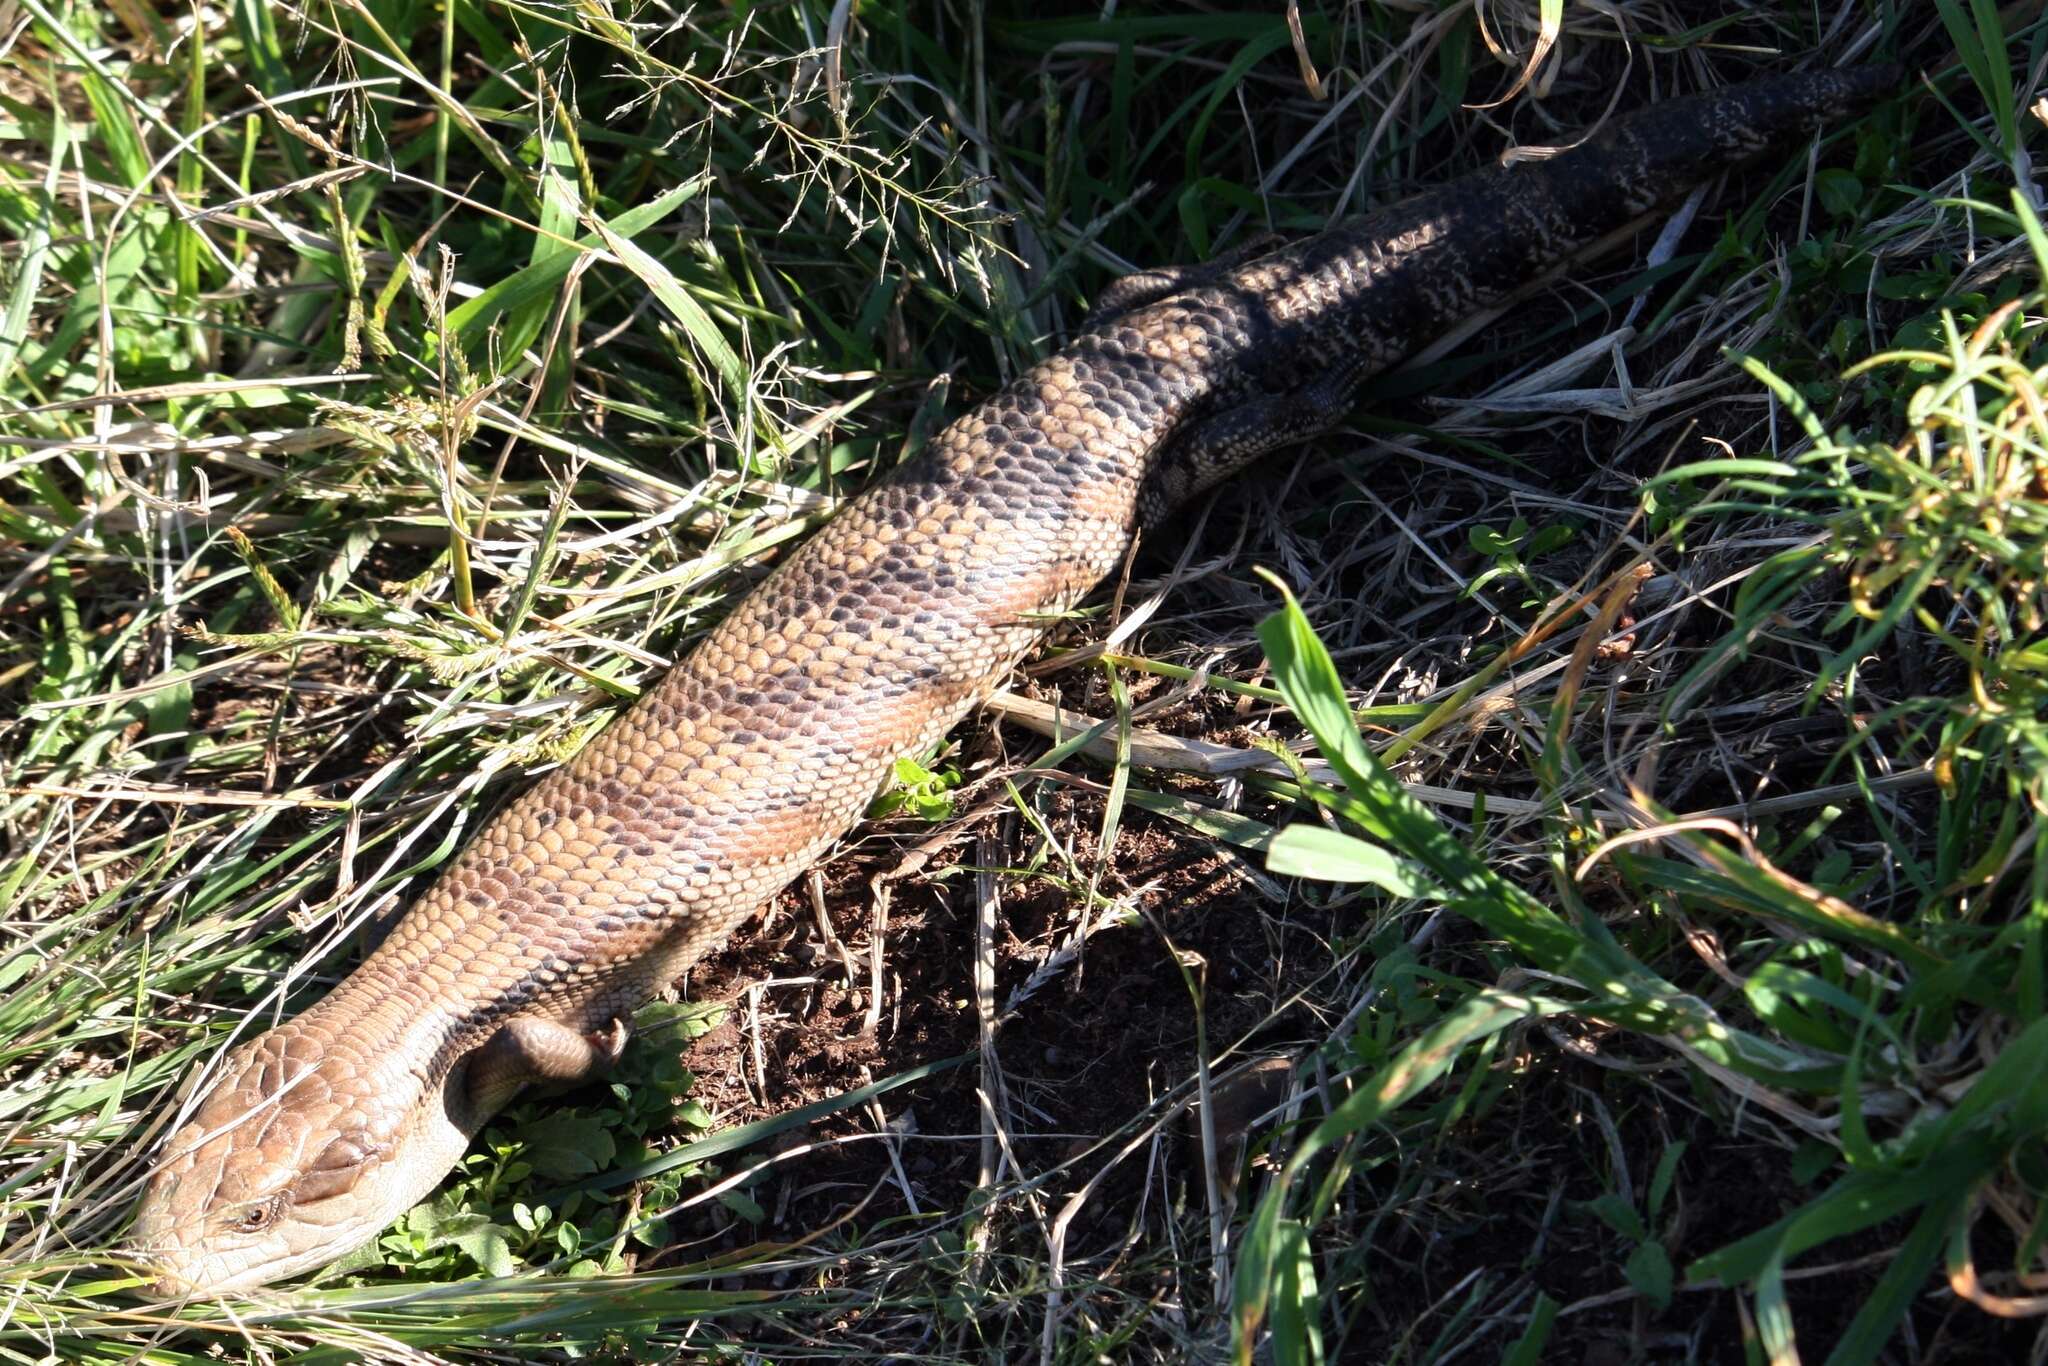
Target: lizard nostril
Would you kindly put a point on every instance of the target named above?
(168, 1287)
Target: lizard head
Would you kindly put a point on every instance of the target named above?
(275, 1172)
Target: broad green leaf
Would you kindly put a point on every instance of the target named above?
(565, 1146)
(1297, 1335)
(1649, 1270)
(1312, 851)
(483, 1241)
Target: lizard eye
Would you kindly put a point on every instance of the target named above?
(258, 1217)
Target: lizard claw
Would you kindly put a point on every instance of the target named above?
(611, 1041)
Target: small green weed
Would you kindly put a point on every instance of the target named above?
(926, 793)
